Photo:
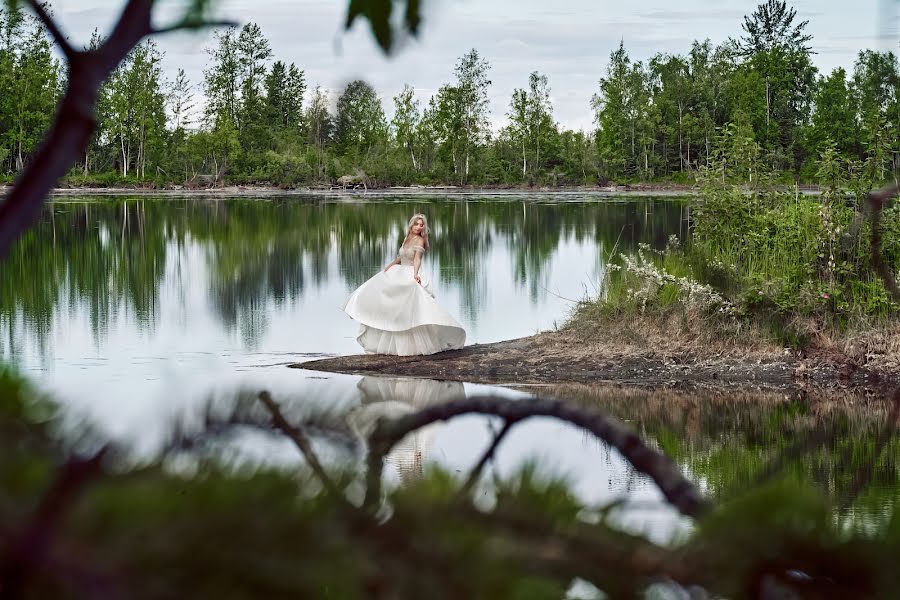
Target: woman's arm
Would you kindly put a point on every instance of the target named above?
(417, 262)
(396, 261)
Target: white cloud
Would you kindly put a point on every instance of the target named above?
(568, 40)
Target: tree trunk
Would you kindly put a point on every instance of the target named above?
(466, 174)
(680, 147)
(524, 164)
(124, 157)
(412, 155)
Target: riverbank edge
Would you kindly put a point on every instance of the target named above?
(637, 190)
(555, 358)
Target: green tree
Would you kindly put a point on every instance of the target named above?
(446, 120)
(622, 111)
(771, 26)
(427, 136)
(531, 128)
(180, 106)
(833, 122)
(778, 58)
(30, 77)
(318, 119)
(673, 96)
(284, 87)
(542, 128)
(319, 125)
(472, 103)
(406, 122)
(518, 124)
(876, 93)
(360, 122)
(221, 79)
(253, 50)
(137, 108)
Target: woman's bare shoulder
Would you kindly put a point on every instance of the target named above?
(417, 246)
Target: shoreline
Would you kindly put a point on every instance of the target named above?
(412, 191)
(553, 358)
(633, 190)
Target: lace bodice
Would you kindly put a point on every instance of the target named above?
(408, 253)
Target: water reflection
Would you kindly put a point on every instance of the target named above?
(392, 397)
(727, 444)
(115, 260)
(730, 442)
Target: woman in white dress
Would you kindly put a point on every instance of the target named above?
(397, 312)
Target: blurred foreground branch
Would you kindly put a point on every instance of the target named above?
(877, 200)
(677, 489)
(28, 553)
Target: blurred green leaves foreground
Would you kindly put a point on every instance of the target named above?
(81, 520)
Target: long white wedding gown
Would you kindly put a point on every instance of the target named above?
(399, 316)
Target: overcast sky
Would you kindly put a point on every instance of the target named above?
(568, 40)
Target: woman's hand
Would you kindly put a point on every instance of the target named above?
(418, 279)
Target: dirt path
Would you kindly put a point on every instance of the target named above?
(555, 358)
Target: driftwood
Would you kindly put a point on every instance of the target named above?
(352, 181)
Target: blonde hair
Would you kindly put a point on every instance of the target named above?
(412, 221)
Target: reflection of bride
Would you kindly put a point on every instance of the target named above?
(395, 397)
(397, 312)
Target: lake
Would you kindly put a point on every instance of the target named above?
(139, 313)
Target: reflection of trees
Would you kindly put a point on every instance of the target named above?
(102, 257)
(97, 257)
(731, 441)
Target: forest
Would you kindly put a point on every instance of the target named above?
(747, 106)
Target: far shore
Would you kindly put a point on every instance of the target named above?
(256, 191)
(636, 190)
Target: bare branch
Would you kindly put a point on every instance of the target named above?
(677, 489)
(488, 455)
(52, 28)
(301, 441)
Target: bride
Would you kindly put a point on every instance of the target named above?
(397, 312)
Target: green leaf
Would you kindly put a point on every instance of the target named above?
(378, 13)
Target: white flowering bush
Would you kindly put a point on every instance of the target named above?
(647, 280)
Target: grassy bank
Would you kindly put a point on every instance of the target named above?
(761, 268)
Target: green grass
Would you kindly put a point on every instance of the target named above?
(791, 267)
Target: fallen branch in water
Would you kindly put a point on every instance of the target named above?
(677, 489)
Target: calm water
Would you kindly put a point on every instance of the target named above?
(140, 313)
